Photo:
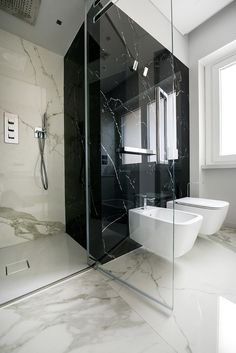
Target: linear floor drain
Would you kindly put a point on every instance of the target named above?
(15, 267)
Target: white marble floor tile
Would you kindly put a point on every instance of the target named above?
(50, 259)
(205, 292)
(82, 315)
(226, 236)
(147, 272)
(89, 314)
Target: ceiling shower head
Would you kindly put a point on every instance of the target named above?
(26, 10)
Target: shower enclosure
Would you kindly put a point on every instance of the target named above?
(131, 142)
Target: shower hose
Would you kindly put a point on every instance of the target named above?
(43, 169)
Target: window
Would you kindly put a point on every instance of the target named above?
(227, 81)
(220, 104)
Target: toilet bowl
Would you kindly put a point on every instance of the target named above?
(212, 211)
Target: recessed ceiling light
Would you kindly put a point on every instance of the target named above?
(59, 22)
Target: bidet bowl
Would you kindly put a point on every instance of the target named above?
(153, 228)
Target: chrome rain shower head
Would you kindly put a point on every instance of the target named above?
(26, 10)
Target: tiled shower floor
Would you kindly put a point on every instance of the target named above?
(34, 264)
(92, 313)
(81, 315)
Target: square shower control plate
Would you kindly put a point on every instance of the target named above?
(11, 128)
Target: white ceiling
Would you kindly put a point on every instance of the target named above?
(46, 32)
(189, 14)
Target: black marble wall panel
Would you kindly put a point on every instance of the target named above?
(114, 90)
(74, 129)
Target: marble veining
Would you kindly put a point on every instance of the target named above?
(94, 313)
(204, 285)
(115, 90)
(50, 76)
(24, 226)
(83, 314)
(30, 59)
(226, 236)
(29, 92)
(113, 164)
(145, 271)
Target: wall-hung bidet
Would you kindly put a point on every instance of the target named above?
(152, 227)
(212, 211)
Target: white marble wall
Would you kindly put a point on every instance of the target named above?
(31, 83)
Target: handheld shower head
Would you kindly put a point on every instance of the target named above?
(41, 134)
(44, 122)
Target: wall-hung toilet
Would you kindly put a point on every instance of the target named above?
(212, 211)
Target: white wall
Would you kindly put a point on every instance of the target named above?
(207, 38)
(31, 82)
(154, 22)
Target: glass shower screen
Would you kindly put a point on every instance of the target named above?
(131, 143)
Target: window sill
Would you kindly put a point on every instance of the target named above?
(219, 166)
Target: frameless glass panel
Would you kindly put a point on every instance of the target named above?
(131, 144)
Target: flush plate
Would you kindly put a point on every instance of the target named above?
(15, 267)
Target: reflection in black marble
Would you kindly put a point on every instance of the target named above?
(114, 90)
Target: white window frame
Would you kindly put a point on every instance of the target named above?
(213, 109)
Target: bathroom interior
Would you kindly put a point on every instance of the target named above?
(117, 176)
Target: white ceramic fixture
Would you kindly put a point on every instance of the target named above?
(212, 211)
(152, 227)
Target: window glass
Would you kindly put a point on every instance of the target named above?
(227, 110)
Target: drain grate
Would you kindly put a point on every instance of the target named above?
(15, 267)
